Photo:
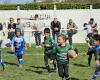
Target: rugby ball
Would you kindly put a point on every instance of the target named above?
(72, 54)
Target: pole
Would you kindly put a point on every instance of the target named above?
(18, 8)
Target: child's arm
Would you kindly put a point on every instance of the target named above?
(89, 45)
(25, 45)
(12, 44)
(86, 39)
(97, 56)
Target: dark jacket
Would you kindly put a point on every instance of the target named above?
(55, 25)
(1, 26)
(12, 26)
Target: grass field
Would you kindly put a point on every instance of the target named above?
(34, 66)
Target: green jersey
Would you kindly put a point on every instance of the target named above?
(91, 41)
(48, 41)
(61, 54)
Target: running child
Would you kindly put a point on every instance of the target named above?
(48, 49)
(18, 43)
(1, 40)
(91, 48)
(97, 52)
(62, 57)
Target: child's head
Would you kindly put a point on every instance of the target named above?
(17, 32)
(61, 39)
(18, 20)
(97, 40)
(85, 24)
(47, 32)
(11, 20)
(95, 32)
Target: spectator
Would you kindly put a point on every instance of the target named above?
(72, 29)
(1, 26)
(93, 24)
(11, 29)
(88, 28)
(55, 27)
(20, 25)
(36, 26)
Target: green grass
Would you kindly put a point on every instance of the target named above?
(33, 68)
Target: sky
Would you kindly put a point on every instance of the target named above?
(16, 1)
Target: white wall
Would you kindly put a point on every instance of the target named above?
(79, 16)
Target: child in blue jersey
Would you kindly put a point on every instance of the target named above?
(1, 41)
(18, 43)
(97, 52)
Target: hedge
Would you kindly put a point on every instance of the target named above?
(96, 6)
(49, 6)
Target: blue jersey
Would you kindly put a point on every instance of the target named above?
(97, 50)
(18, 43)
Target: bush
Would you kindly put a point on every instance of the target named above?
(96, 6)
(72, 6)
(8, 6)
(48, 6)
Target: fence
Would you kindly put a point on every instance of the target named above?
(79, 16)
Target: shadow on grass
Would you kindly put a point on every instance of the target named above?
(36, 71)
(13, 64)
(80, 65)
(41, 67)
(38, 67)
(10, 52)
(74, 78)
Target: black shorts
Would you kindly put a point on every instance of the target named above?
(48, 56)
(19, 57)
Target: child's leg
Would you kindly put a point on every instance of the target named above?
(90, 52)
(20, 60)
(89, 59)
(60, 70)
(46, 62)
(97, 71)
(1, 61)
(36, 41)
(54, 60)
(66, 71)
(39, 38)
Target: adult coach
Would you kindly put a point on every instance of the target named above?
(36, 26)
(11, 29)
(71, 30)
(55, 27)
(93, 24)
(20, 25)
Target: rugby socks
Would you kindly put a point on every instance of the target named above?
(21, 62)
(3, 65)
(97, 72)
(48, 68)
